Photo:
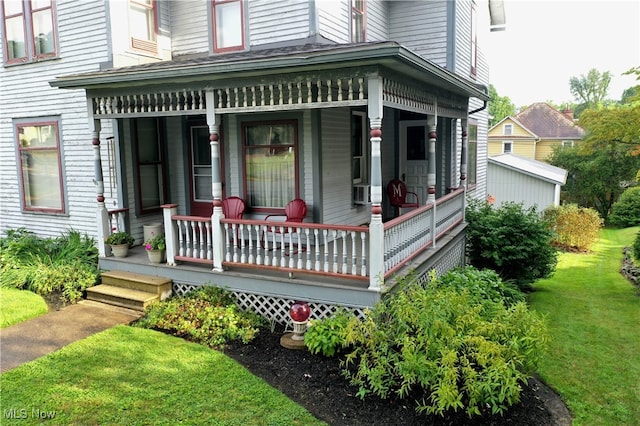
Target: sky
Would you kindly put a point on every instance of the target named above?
(549, 41)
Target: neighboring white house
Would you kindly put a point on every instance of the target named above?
(512, 178)
(126, 113)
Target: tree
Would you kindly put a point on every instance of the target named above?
(499, 106)
(590, 90)
(615, 125)
(594, 176)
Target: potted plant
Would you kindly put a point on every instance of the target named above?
(155, 248)
(119, 242)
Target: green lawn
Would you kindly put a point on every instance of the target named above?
(134, 376)
(19, 305)
(594, 318)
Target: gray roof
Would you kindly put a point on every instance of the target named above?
(531, 167)
(284, 59)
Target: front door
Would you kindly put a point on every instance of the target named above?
(200, 169)
(412, 168)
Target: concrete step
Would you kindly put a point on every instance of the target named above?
(159, 286)
(120, 296)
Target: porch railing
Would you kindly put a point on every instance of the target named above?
(117, 219)
(333, 250)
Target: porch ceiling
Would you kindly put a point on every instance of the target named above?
(212, 72)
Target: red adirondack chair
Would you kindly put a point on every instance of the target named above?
(397, 192)
(233, 208)
(295, 211)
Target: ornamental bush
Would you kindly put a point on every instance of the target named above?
(636, 249)
(626, 211)
(326, 336)
(207, 316)
(513, 241)
(447, 348)
(575, 227)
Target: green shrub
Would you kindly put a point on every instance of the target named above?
(482, 285)
(207, 316)
(514, 242)
(446, 349)
(626, 211)
(326, 336)
(67, 264)
(636, 249)
(575, 227)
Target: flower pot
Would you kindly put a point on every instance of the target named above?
(120, 250)
(155, 256)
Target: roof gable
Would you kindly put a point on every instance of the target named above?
(548, 123)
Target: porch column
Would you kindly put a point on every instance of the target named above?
(432, 121)
(376, 228)
(463, 153)
(216, 183)
(102, 216)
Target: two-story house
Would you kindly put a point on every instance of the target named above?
(121, 114)
(534, 132)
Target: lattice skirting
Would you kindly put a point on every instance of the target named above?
(274, 309)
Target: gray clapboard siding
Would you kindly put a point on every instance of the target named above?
(333, 20)
(272, 21)
(377, 28)
(26, 93)
(336, 160)
(190, 23)
(421, 27)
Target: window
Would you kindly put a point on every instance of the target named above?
(40, 166)
(567, 144)
(359, 148)
(29, 30)
(474, 40)
(142, 25)
(357, 21)
(150, 167)
(472, 154)
(508, 129)
(228, 25)
(507, 147)
(270, 166)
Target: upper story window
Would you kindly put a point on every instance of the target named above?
(508, 129)
(357, 21)
(40, 166)
(474, 40)
(472, 154)
(29, 30)
(270, 165)
(143, 25)
(228, 25)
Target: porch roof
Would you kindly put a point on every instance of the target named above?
(264, 62)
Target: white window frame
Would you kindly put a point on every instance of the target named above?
(148, 43)
(507, 129)
(567, 144)
(508, 144)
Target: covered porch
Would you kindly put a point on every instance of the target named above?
(411, 114)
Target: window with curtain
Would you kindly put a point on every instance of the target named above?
(270, 166)
(40, 166)
(143, 25)
(29, 30)
(228, 25)
(150, 164)
(357, 21)
(472, 154)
